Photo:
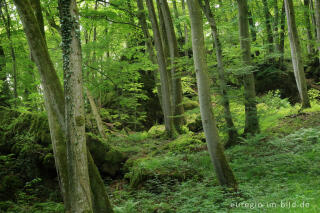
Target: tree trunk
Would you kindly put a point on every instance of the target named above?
(96, 114)
(253, 30)
(54, 102)
(167, 110)
(186, 37)
(308, 26)
(317, 19)
(223, 171)
(251, 120)
(268, 26)
(79, 182)
(176, 14)
(296, 54)
(232, 132)
(282, 27)
(148, 40)
(313, 18)
(175, 73)
(276, 25)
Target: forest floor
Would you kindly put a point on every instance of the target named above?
(277, 170)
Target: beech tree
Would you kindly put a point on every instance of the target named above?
(78, 174)
(55, 106)
(251, 121)
(177, 96)
(296, 55)
(221, 166)
(166, 100)
(232, 132)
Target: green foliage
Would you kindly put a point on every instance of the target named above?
(157, 131)
(185, 144)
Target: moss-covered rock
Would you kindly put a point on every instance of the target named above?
(108, 159)
(189, 104)
(186, 144)
(157, 130)
(148, 172)
(195, 124)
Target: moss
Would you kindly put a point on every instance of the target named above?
(190, 104)
(195, 124)
(157, 131)
(186, 144)
(144, 172)
(108, 159)
(80, 120)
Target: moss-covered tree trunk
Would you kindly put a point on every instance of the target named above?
(177, 96)
(296, 54)
(221, 166)
(166, 100)
(54, 102)
(232, 132)
(79, 183)
(251, 117)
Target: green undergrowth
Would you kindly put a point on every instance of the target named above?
(270, 171)
(277, 170)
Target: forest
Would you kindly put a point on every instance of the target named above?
(159, 106)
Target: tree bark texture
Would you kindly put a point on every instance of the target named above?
(221, 166)
(166, 100)
(232, 132)
(251, 117)
(296, 54)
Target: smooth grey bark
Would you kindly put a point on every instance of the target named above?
(296, 54)
(251, 117)
(149, 46)
(222, 169)
(54, 102)
(166, 50)
(268, 26)
(175, 72)
(232, 132)
(166, 100)
(317, 19)
(308, 26)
